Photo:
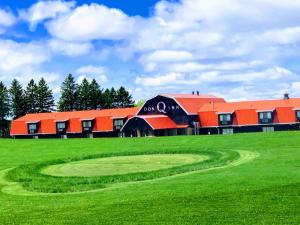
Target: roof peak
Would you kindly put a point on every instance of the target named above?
(189, 95)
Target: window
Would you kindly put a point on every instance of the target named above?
(225, 117)
(32, 128)
(265, 115)
(227, 131)
(61, 125)
(268, 129)
(298, 114)
(118, 124)
(87, 124)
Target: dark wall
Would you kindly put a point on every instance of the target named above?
(165, 106)
(70, 135)
(136, 124)
(248, 129)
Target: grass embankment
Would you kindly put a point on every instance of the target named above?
(32, 178)
(262, 191)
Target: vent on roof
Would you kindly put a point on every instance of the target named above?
(198, 93)
(286, 96)
(193, 92)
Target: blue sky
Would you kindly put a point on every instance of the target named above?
(235, 49)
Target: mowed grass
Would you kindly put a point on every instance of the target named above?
(121, 164)
(263, 191)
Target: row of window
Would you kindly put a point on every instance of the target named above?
(61, 127)
(230, 130)
(264, 118)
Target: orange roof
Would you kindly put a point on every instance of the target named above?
(261, 105)
(120, 112)
(103, 120)
(192, 103)
(158, 122)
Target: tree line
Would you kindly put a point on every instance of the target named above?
(37, 97)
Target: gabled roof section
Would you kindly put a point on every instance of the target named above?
(192, 103)
(261, 105)
(121, 112)
(157, 122)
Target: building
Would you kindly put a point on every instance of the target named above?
(93, 123)
(165, 115)
(250, 116)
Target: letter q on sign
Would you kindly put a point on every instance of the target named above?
(161, 107)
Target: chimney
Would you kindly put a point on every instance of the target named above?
(193, 92)
(286, 96)
(198, 93)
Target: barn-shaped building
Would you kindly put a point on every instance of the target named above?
(163, 115)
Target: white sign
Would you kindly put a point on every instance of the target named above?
(161, 107)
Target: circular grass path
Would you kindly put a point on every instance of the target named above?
(121, 165)
(104, 171)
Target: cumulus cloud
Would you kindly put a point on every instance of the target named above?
(227, 47)
(92, 72)
(90, 22)
(7, 19)
(43, 10)
(23, 61)
(14, 55)
(69, 48)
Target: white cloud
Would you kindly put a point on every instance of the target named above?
(69, 48)
(90, 22)
(92, 72)
(161, 80)
(289, 35)
(43, 10)
(23, 61)
(169, 56)
(227, 47)
(7, 19)
(15, 55)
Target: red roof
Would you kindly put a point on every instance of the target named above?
(88, 114)
(192, 103)
(261, 105)
(103, 120)
(158, 122)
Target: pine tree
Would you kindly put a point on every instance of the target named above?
(18, 101)
(31, 97)
(4, 109)
(45, 100)
(69, 90)
(107, 99)
(95, 95)
(123, 98)
(113, 97)
(84, 100)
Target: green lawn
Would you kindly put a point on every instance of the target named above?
(217, 188)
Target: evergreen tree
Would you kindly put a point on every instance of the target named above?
(18, 101)
(113, 97)
(84, 99)
(123, 98)
(4, 109)
(45, 100)
(95, 95)
(107, 99)
(31, 97)
(68, 100)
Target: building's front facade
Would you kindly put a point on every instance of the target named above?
(94, 123)
(165, 115)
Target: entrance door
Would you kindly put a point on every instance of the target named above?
(138, 133)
